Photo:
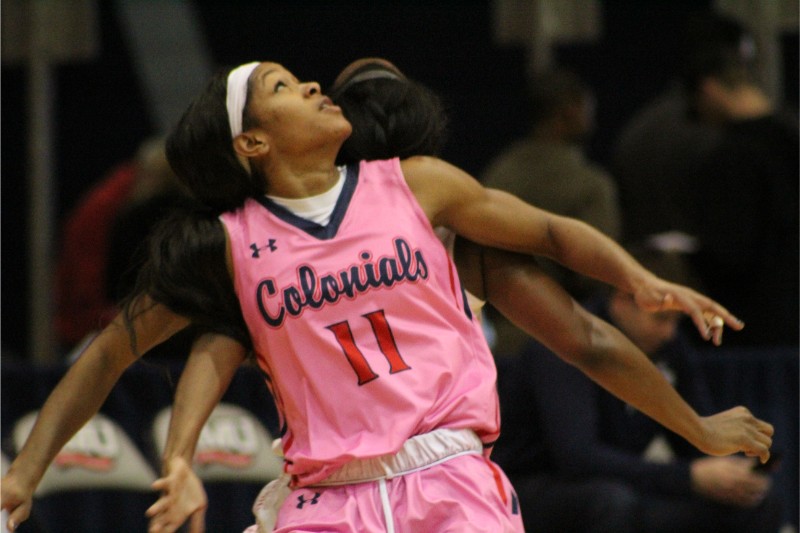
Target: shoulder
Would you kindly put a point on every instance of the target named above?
(379, 167)
(419, 163)
(437, 185)
(420, 170)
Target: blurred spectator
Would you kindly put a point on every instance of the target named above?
(96, 245)
(749, 228)
(582, 460)
(549, 170)
(657, 155)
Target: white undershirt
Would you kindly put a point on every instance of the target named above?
(317, 208)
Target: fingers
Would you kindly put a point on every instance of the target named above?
(157, 508)
(714, 323)
(164, 523)
(760, 451)
(709, 317)
(197, 523)
(717, 327)
(765, 443)
(729, 319)
(765, 427)
(762, 439)
(690, 306)
(18, 515)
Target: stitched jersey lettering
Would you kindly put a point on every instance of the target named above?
(386, 343)
(315, 291)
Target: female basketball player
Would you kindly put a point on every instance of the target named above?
(359, 322)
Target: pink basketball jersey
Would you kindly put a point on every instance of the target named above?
(360, 325)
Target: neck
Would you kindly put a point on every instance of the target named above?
(300, 180)
(301, 174)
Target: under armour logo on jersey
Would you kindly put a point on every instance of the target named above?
(269, 246)
(301, 500)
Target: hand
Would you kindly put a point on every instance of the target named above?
(16, 499)
(729, 480)
(708, 316)
(736, 430)
(182, 496)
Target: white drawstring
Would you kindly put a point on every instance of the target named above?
(387, 509)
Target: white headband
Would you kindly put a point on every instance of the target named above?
(237, 95)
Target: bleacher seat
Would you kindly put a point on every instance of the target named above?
(99, 467)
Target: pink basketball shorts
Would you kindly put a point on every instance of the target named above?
(465, 494)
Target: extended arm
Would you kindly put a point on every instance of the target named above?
(543, 309)
(78, 396)
(452, 198)
(205, 378)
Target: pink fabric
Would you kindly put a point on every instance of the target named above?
(459, 496)
(362, 371)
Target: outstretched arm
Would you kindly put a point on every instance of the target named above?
(79, 396)
(454, 199)
(205, 378)
(543, 309)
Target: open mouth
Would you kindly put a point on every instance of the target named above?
(327, 103)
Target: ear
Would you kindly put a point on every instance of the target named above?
(252, 143)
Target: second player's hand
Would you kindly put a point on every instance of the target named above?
(16, 500)
(736, 430)
(182, 497)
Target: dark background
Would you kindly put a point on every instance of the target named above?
(100, 114)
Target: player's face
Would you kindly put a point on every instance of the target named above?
(294, 113)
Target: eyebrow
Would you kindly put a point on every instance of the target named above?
(266, 73)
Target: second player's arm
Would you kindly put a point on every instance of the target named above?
(209, 371)
(79, 396)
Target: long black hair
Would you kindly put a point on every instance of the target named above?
(391, 116)
(186, 271)
(200, 151)
(185, 267)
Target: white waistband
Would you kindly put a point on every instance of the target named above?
(418, 452)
